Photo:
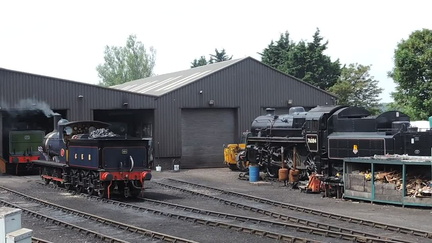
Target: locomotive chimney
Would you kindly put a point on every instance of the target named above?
(270, 111)
(56, 118)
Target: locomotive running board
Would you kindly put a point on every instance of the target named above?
(49, 163)
(277, 139)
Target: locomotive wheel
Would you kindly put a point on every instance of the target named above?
(134, 193)
(272, 171)
(56, 184)
(103, 191)
(79, 189)
(90, 191)
(45, 172)
(67, 186)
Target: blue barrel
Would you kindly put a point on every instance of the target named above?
(253, 173)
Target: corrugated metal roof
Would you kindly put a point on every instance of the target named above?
(165, 83)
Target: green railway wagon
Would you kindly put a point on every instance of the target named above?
(23, 148)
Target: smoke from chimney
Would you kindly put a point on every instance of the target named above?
(29, 104)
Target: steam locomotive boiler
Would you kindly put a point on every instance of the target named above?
(318, 140)
(86, 156)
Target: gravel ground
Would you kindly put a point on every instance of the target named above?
(223, 178)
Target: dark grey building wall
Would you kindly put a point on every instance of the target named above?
(248, 86)
(64, 94)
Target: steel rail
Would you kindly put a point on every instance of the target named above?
(389, 227)
(39, 240)
(64, 224)
(272, 235)
(118, 225)
(309, 226)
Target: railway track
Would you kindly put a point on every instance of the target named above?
(327, 232)
(130, 232)
(62, 223)
(407, 234)
(209, 222)
(271, 225)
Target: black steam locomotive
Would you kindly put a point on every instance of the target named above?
(86, 156)
(318, 140)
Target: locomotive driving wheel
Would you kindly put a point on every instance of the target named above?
(79, 188)
(272, 171)
(90, 191)
(91, 183)
(103, 190)
(46, 180)
(67, 186)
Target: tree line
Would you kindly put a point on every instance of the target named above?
(305, 60)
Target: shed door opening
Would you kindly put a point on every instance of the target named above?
(204, 132)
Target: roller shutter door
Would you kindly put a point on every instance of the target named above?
(203, 133)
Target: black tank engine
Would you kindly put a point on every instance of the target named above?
(86, 156)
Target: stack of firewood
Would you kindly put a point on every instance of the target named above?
(389, 177)
(416, 186)
(419, 187)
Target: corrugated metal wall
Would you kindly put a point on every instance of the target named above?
(248, 86)
(63, 94)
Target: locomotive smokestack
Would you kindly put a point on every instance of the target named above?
(56, 118)
(270, 111)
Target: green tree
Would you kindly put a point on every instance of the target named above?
(123, 64)
(303, 60)
(412, 74)
(219, 56)
(199, 62)
(356, 87)
(277, 54)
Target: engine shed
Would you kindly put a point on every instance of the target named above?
(189, 114)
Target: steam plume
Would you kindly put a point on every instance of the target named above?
(29, 104)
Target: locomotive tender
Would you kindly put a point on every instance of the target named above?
(86, 156)
(318, 140)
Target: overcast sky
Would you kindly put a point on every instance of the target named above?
(66, 39)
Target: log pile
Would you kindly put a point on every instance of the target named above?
(390, 177)
(417, 186)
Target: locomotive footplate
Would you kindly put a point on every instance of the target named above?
(49, 163)
(277, 139)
